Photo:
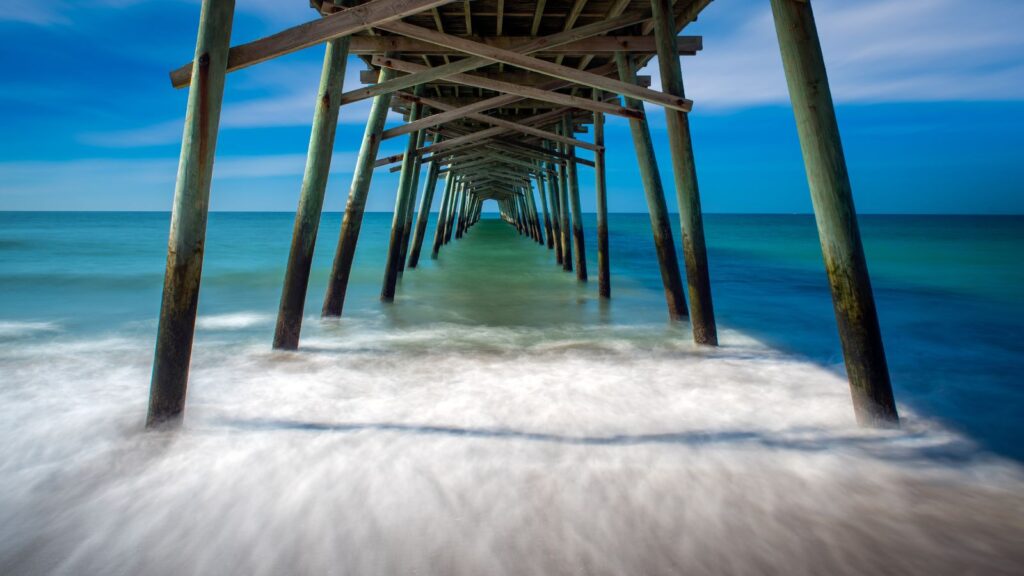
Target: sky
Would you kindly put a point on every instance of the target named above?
(929, 97)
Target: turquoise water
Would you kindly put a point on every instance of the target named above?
(499, 417)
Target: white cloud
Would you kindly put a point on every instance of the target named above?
(293, 88)
(54, 12)
(875, 50)
(85, 175)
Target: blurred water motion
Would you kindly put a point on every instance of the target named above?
(457, 436)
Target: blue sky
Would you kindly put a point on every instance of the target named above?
(930, 97)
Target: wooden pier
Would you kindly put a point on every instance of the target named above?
(496, 96)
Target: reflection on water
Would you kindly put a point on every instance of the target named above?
(495, 420)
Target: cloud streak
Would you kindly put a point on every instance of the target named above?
(875, 50)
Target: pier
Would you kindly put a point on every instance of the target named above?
(498, 99)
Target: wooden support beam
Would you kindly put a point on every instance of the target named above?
(695, 258)
(509, 88)
(406, 188)
(442, 212)
(514, 126)
(596, 45)
(576, 210)
(656, 206)
(474, 62)
(537, 65)
(537, 15)
(421, 222)
(311, 197)
(417, 165)
(349, 20)
(565, 221)
(604, 284)
(187, 241)
(832, 197)
(556, 209)
(337, 287)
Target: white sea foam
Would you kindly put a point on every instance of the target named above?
(455, 450)
(14, 329)
(233, 321)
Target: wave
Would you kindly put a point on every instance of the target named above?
(16, 329)
(233, 321)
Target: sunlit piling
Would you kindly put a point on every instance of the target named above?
(832, 197)
(311, 197)
(187, 241)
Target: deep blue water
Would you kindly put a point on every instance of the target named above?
(948, 289)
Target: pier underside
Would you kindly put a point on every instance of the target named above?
(497, 99)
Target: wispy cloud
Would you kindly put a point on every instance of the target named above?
(54, 12)
(88, 182)
(290, 96)
(875, 50)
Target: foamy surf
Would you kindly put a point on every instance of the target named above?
(431, 450)
(14, 329)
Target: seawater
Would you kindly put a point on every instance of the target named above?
(499, 418)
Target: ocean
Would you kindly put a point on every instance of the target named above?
(500, 418)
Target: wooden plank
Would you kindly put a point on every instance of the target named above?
(603, 45)
(505, 123)
(477, 106)
(537, 65)
(509, 88)
(472, 63)
(342, 23)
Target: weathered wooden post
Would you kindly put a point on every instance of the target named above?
(574, 203)
(460, 215)
(563, 212)
(695, 257)
(334, 299)
(453, 210)
(187, 240)
(556, 226)
(442, 214)
(660, 225)
(544, 205)
(406, 186)
(604, 283)
(410, 212)
(424, 214)
(311, 197)
(832, 197)
(538, 230)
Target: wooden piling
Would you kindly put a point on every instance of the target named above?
(442, 215)
(424, 214)
(452, 209)
(655, 196)
(832, 197)
(556, 219)
(695, 258)
(563, 213)
(538, 228)
(187, 240)
(337, 286)
(406, 188)
(544, 205)
(574, 203)
(411, 210)
(604, 284)
(311, 197)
